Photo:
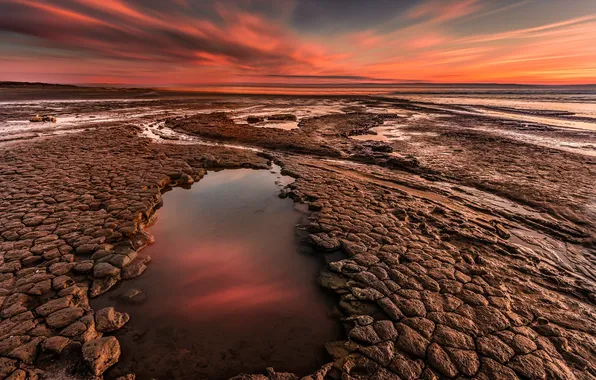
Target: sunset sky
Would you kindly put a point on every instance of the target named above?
(186, 42)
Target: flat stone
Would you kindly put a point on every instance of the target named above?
(446, 336)
(364, 334)
(26, 352)
(102, 270)
(64, 317)
(411, 342)
(466, 361)
(494, 348)
(133, 270)
(55, 344)
(438, 359)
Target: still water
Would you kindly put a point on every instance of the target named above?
(229, 289)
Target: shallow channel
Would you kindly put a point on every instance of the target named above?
(229, 288)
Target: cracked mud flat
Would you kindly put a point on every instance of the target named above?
(469, 251)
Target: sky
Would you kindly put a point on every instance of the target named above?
(325, 42)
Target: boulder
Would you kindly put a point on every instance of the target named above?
(100, 354)
(108, 319)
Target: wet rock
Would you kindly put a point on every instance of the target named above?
(102, 270)
(282, 117)
(108, 319)
(100, 354)
(102, 285)
(254, 119)
(133, 270)
(133, 296)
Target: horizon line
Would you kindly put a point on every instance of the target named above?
(188, 86)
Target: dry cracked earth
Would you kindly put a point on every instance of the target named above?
(478, 264)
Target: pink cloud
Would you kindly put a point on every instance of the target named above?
(438, 10)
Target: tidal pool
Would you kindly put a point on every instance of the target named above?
(229, 288)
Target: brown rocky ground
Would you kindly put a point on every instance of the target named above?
(435, 284)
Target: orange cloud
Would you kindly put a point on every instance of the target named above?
(167, 43)
(438, 10)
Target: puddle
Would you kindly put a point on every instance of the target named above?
(159, 133)
(229, 289)
(285, 125)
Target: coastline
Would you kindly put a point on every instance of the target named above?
(434, 285)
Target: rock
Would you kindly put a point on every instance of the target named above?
(130, 376)
(83, 266)
(491, 370)
(466, 361)
(133, 296)
(282, 117)
(100, 354)
(410, 341)
(55, 344)
(26, 352)
(489, 319)
(102, 270)
(102, 285)
(446, 336)
(108, 319)
(64, 317)
(54, 305)
(324, 243)
(410, 307)
(381, 353)
(7, 366)
(390, 309)
(86, 249)
(407, 369)
(438, 359)
(19, 374)
(74, 329)
(494, 348)
(364, 334)
(62, 282)
(385, 330)
(528, 366)
(254, 119)
(133, 270)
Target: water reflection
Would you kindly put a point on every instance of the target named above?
(228, 290)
